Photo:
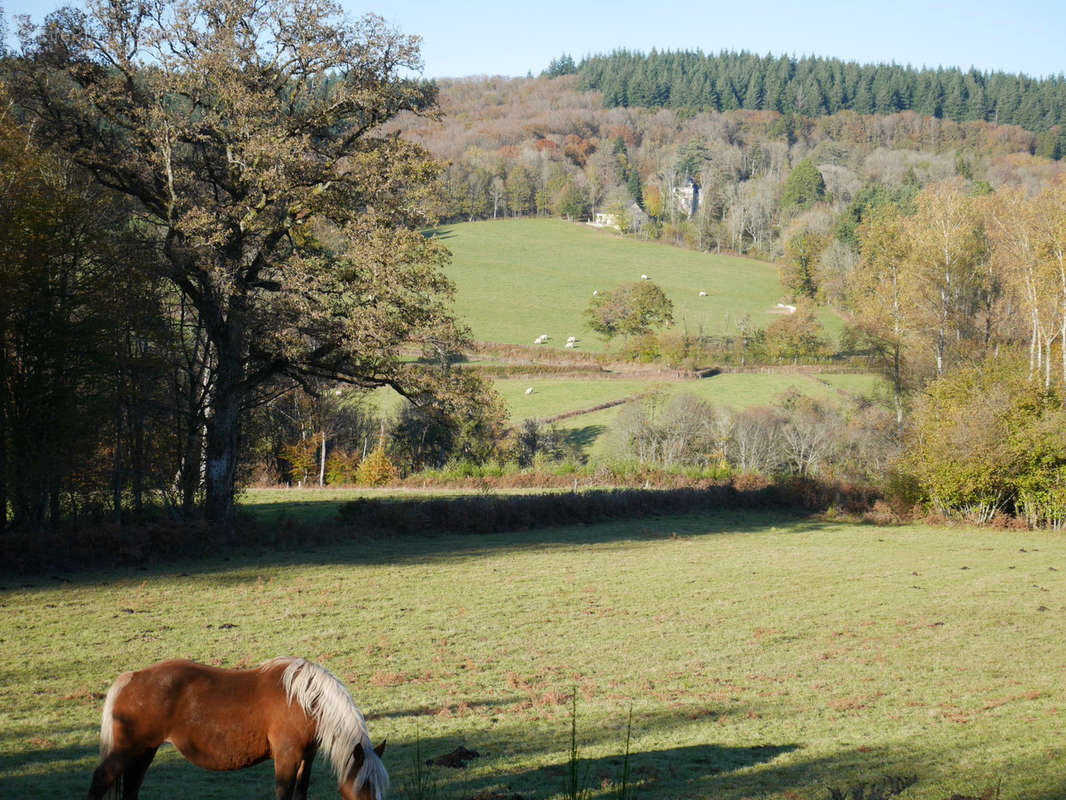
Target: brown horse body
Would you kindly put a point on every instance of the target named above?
(221, 719)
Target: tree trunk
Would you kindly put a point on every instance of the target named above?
(191, 468)
(322, 462)
(223, 431)
(222, 438)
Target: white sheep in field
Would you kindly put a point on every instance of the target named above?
(644, 277)
(703, 294)
(571, 339)
(595, 292)
(529, 390)
(570, 345)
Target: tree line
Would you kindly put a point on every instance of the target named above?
(813, 86)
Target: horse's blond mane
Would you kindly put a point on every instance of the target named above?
(340, 724)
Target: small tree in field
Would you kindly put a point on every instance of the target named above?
(631, 310)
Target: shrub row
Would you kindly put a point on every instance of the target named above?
(25, 551)
(479, 514)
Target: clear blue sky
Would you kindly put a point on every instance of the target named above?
(509, 37)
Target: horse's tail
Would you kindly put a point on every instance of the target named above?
(107, 728)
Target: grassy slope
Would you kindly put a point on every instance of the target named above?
(517, 279)
(764, 658)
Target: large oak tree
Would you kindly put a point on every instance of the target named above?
(247, 134)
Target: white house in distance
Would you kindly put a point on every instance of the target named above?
(687, 197)
(607, 219)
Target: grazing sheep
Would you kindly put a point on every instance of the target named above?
(703, 294)
(570, 345)
(529, 390)
(595, 292)
(644, 277)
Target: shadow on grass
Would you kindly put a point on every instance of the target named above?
(68, 771)
(314, 545)
(663, 773)
(722, 772)
(583, 438)
(706, 770)
(36, 756)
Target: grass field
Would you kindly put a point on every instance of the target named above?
(763, 657)
(517, 279)
(552, 396)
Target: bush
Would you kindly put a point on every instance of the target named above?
(796, 336)
(643, 349)
(678, 431)
(988, 439)
(342, 469)
(376, 469)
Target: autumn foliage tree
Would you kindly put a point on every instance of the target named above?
(246, 135)
(986, 439)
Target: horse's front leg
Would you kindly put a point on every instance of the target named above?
(286, 768)
(116, 766)
(134, 775)
(303, 777)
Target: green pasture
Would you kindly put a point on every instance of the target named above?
(517, 279)
(763, 657)
(552, 396)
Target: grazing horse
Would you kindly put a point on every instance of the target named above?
(225, 719)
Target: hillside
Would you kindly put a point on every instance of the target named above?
(541, 147)
(518, 279)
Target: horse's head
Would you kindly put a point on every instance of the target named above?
(367, 779)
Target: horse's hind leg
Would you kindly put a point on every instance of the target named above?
(134, 774)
